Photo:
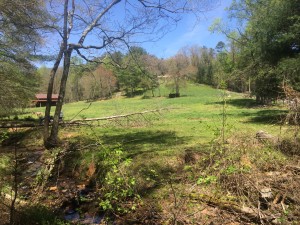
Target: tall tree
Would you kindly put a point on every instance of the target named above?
(132, 70)
(137, 71)
(273, 38)
(21, 25)
(177, 71)
(101, 83)
(205, 66)
(267, 37)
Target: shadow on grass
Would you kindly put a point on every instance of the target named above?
(132, 144)
(240, 103)
(149, 151)
(268, 117)
(144, 141)
(156, 137)
(243, 103)
(264, 116)
(15, 137)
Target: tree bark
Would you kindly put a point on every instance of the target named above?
(177, 85)
(49, 94)
(53, 138)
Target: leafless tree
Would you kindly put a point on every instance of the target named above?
(99, 83)
(105, 26)
(178, 69)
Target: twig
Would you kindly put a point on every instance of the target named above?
(82, 110)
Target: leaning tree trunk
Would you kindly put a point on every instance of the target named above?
(53, 138)
(65, 52)
(49, 94)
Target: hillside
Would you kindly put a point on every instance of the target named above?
(208, 157)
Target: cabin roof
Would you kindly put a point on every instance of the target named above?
(44, 96)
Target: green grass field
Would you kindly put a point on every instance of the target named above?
(159, 147)
(191, 120)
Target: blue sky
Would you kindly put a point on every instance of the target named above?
(189, 32)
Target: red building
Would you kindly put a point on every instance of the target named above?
(41, 100)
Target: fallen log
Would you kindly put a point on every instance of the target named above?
(82, 122)
(118, 116)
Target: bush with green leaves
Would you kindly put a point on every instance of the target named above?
(118, 193)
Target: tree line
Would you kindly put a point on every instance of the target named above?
(264, 45)
(260, 56)
(133, 73)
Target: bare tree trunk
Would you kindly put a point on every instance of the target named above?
(177, 86)
(49, 94)
(249, 86)
(53, 139)
(177, 89)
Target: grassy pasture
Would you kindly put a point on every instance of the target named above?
(158, 149)
(193, 114)
(192, 120)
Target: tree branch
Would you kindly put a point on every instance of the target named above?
(71, 18)
(94, 23)
(161, 7)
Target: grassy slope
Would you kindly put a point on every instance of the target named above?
(160, 146)
(195, 116)
(192, 120)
